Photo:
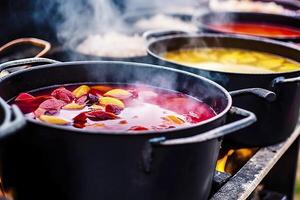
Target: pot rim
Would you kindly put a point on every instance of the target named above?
(221, 36)
(119, 133)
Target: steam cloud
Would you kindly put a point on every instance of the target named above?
(74, 20)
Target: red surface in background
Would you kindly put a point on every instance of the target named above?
(264, 30)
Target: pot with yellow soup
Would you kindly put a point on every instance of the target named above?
(241, 62)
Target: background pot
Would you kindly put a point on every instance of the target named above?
(205, 20)
(278, 119)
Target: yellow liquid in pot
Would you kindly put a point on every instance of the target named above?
(232, 60)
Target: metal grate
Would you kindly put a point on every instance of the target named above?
(272, 167)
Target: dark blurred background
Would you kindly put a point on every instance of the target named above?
(34, 18)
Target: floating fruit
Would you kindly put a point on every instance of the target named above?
(82, 100)
(147, 108)
(113, 109)
(74, 106)
(247, 58)
(289, 67)
(100, 115)
(97, 107)
(230, 58)
(82, 90)
(81, 118)
(39, 111)
(50, 107)
(96, 125)
(118, 93)
(53, 120)
(112, 101)
(79, 125)
(63, 94)
(28, 105)
(24, 96)
(174, 119)
(271, 63)
(138, 128)
(52, 104)
(101, 88)
(92, 98)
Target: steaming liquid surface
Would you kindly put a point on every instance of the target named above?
(263, 30)
(232, 60)
(114, 108)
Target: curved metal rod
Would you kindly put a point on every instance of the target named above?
(34, 41)
(26, 61)
(286, 80)
(260, 92)
(249, 119)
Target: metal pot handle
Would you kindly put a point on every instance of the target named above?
(34, 41)
(282, 80)
(153, 34)
(26, 61)
(259, 92)
(13, 119)
(226, 129)
(249, 119)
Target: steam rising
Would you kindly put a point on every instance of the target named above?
(75, 20)
(80, 18)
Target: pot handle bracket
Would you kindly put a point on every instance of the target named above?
(152, 144)
(13, 119)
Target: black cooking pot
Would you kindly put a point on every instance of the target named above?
(46, 161)
(278, 119)
(205, 20)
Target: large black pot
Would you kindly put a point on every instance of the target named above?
(53, 162)
(206, 19)
(278, 119)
